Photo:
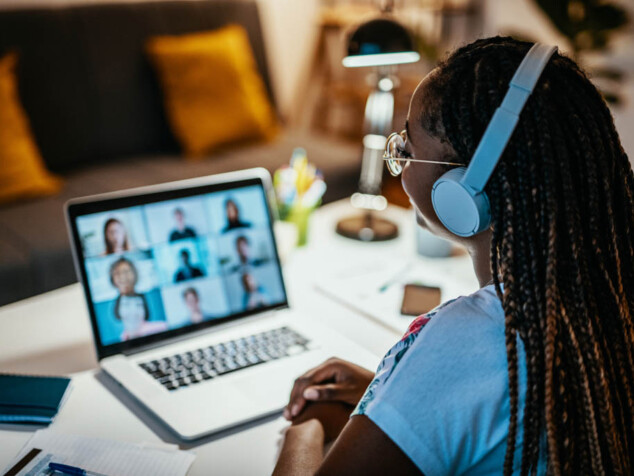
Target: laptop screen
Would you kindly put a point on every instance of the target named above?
(161, 264)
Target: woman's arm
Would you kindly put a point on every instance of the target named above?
(320, 405)
(361, 448)
(302, 453)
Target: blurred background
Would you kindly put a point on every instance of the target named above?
(598, 34)
(306, 40)
(102, 98)
(317, 92)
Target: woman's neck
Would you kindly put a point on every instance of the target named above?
(480, 251)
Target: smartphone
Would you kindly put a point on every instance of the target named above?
(419, 299)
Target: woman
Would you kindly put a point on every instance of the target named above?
(535, 371)
(192, 302)
(131, 307)
(115, 237)
(232, 212)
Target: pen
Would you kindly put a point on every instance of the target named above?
(394, 278)
(66, 469)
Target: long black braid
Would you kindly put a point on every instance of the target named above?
(562, 201)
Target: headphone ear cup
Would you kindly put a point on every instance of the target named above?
(463, 211)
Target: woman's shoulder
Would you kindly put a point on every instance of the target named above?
(445, 377)
(462, 329)
(479, 309)
(446, 336)
(482, 303)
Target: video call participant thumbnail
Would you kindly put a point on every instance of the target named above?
(181, 230)
(233, 216)
(245, 255)
(254, 295)
(192, 302)
(115, 237)
(186, 270)
(131, 307)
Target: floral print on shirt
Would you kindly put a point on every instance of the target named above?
(394, 356)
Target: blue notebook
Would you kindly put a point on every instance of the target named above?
(27, 399)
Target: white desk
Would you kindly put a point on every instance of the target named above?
(50, 334)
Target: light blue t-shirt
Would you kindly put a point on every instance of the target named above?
(441, 393)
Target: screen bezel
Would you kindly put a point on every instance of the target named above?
(154, 194)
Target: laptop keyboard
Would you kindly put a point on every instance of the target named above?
(190, 368)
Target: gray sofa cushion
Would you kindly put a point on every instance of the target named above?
(15, 273)
(35, 252)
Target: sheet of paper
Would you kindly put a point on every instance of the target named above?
(376, 288)
(112, 458)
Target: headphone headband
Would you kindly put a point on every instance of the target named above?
(505, 118)
(458, 195)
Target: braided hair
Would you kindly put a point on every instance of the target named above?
(562, 253)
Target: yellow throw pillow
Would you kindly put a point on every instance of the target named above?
(213, 92)
(22, 171)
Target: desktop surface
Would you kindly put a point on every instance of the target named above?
(51, 334)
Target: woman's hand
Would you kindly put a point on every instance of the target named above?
(334, 380)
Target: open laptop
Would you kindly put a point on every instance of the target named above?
(187, 301)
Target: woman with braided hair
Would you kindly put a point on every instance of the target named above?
(534, 372)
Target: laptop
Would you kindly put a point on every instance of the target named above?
(187, 301)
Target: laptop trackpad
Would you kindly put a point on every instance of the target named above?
(272, 384)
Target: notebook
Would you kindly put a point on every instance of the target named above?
(30, 399)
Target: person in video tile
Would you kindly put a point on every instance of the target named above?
(233, 216)
(130, 306)
(243, 248)
(181, 231)
(115, 237)
(187, 270)
(254, 295)
(192, 301)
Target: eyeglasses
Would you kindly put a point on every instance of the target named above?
(395, 155)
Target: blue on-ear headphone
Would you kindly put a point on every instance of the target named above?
(458, 195)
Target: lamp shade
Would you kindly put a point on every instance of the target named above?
(380, 42)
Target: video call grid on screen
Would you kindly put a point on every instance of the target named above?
(171, 265)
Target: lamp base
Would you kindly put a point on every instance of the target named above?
(367, 227)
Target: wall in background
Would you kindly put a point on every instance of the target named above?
(291, 32)
(524, 17)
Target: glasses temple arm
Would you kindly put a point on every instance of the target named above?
(423, 161)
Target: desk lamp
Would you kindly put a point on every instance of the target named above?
(380, 43)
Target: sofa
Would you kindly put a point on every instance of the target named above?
(96, 111)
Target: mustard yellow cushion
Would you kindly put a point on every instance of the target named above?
(22, 171)
(212, 90)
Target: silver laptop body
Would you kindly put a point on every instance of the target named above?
(187, 301)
